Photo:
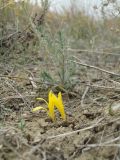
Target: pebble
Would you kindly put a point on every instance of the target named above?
(115, 108)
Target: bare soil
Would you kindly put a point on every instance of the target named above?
(91, 132)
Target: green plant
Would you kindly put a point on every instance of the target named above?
(66, 69)
(56, 48)
(21, 124)
(46, 77)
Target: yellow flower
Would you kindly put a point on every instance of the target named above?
(53, 102)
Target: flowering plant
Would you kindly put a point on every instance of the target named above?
(53, 101)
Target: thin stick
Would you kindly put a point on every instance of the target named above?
(105, 144)
(22, 78)
(17, 97)
(101, 145)
(83, 129)
(115, 82)
(14, 150)
(94, 67)
(19, 32)
(104, 87)
(84, 94)
(73, 132)
(16, 91)
(90, 51)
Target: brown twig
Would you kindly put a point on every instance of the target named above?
(17, 97)
(15, 33)
(91, 51)
(83, 129)
(14, 150)
(17, 92)
(84, 94)
(104, 87)
(79, 130)
(94, 67)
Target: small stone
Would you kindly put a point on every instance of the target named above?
(115, 108)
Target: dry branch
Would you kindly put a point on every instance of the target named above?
(84, 94)
(91, 51)
(94, 67)
(83, 129)
(73, 132)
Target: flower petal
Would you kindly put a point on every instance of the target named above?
(53, 101)
(56, 102)
(51, 107)
(42, 99)
(61, 106)
(38, 108)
